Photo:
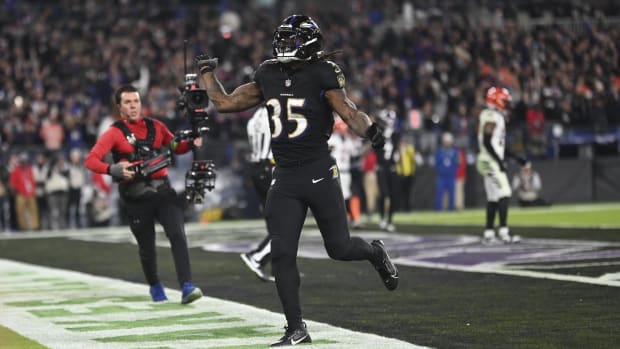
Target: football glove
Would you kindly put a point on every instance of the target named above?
(375, 135)
(205, 63)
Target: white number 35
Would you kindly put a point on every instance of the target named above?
(301, 123)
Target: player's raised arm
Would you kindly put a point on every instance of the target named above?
(356, 119)
(242, 98)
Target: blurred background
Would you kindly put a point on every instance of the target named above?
(421, 68)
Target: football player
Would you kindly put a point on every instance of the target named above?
(301, 88)
(491, 164)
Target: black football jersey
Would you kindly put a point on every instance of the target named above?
(300, 118)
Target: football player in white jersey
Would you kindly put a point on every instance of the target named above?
(261, 159)
(491, 164)
(343, 148)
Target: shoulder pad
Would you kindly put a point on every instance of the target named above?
(335, 66)
(336, 71)
(268, 62)
(488, 115)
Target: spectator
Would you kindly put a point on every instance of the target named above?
(4, 197)
(57, 192)
(24, 185)
(371, 186)
(446, 163)
(99, 207)
(52, 133)
(461, 176)
(77, 179)
(405, 168)
(40, 170)
(527, 185)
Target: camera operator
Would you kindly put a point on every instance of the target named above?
(136, 143)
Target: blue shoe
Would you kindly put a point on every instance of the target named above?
(157, 293)
(190, 293)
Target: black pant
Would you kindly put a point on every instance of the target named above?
(316, 186)
(166, 207)
(261, 178)
(389, 193)
(73, 207)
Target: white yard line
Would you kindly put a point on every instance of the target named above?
(66, 310)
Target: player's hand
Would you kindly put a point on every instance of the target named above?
(122, 170)
(375, 135)
(205, 63)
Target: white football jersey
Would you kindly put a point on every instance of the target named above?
(259, 135)
(343, 148)
(498, 138)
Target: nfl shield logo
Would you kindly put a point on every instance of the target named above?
(287, 82)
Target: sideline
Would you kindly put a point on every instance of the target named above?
(70, 310)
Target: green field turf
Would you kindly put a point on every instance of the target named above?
(584, 216)
(432, 307)
(12, 340)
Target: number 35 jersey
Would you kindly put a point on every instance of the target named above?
(300, 118)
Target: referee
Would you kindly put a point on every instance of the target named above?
(262, 163)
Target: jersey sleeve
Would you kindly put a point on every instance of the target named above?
(259, 73)
(94, 159)
(331, 76)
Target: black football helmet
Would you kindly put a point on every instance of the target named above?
(297, 38)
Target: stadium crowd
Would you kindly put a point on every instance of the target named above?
(427, 64)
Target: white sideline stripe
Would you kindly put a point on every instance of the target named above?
(563, 266)
(54, 335)
(499, 268)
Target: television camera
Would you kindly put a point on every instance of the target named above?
(201, 176)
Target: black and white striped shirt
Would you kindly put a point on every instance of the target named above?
(259, 136)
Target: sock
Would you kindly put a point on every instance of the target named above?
(356, 210)
(491, 209)
(502, 207)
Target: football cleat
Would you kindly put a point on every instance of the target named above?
(383, 224)
(489, 238)
(386, 269)
(190, 293)
(157, 293)
(506, 237)
(293, 337)
(255, 266)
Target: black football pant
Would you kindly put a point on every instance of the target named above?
(166, 207)
(261, 178)
(316, 186)
(389, 193)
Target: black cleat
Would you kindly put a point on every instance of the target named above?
(254, 266)
(387, 270)
(293, 337)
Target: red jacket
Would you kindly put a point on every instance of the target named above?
(461, 171)
(22, 180)
(114, 139)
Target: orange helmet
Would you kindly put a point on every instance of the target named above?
(497, 97)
